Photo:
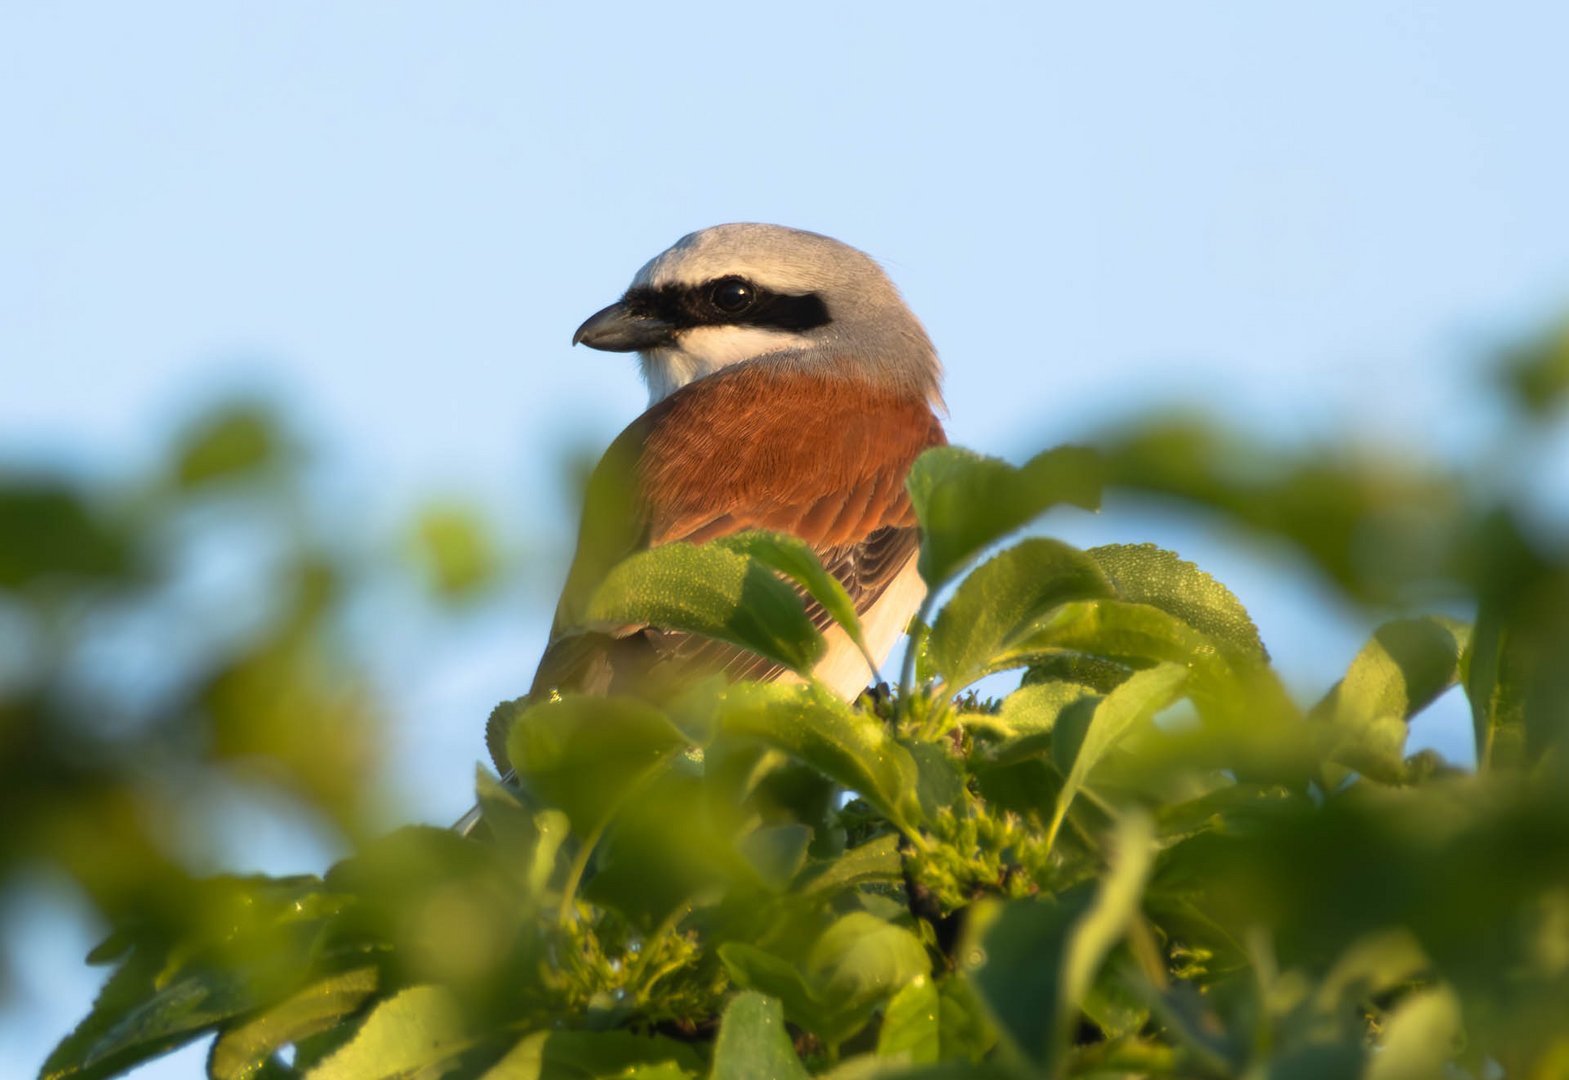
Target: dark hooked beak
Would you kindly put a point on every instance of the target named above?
(620, 329)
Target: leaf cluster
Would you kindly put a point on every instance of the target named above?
(1149, 859)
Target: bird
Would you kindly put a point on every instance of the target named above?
(790, 388)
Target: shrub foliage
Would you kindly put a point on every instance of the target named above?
(1149, 859)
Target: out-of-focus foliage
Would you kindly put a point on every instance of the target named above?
(1148, 860)
(176, 635)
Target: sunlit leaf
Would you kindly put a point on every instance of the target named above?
(1420, 1039)
(420, 1027)
(1078, 749)
(1406, 665)
(584, 754)
(753, 1043)
(847, 745)
(1033, 710)
(712, 591)
(591, 1055)
(967, 502)
(911, 1028)
(861, 959)
(242, 1051)
(796, 560)
(1146, 574)
(1001, 600)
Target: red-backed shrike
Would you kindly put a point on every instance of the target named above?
(790, 389)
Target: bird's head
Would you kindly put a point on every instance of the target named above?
(743, 292)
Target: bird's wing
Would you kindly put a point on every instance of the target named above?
(760, 446)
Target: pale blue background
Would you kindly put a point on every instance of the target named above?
(391, 216)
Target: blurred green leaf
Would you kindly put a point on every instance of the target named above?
(995, 606)
(243, 1050)
(595, 1055)
(1377, 523)
(1420, 1039)
(756, 969)
(855, 964)
(49, 531)
(712, 591)
(454, 546)
(1407, 664)
(230, 443)
(911, 1029)
(584, 755)
(753, 1043)
(966, 502)
(861, 960)
(413, 1033)
(1538, 372)
(1515, 677)
(1079, 747)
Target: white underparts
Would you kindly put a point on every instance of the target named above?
(843, 669)
(703, 350)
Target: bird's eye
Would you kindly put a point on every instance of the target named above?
(732, 295)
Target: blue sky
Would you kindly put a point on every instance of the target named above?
(391, 216)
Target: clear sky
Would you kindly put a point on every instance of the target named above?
(391, 216)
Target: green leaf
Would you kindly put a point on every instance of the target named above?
(419, 1028)
(911, 1027)
(1033, 961)
(861, 960)
(757, 969)
(1077, 750)
(1033, 710)
(585, 754)
(939, 781)
(854, 965)
(966, 502)
(753, 1043)
(1146, 574)
(1537, 372)
(1109, 916)
(595, 1055)
(243, 1050)
(708, 590)
(845, 744)
(1002, 600)
(1099, 674)
(453, 546)
(48, 531)
(1375, 523)
(965, 1028)
(229, 444)
(1420, 1039)
(1134, 632)
(776, 852)
(875, 862)
(135, 1018)
(796, 560)
(1405, 666)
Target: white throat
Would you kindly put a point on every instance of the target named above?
(703, 350)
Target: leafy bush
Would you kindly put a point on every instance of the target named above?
(1147, 860)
